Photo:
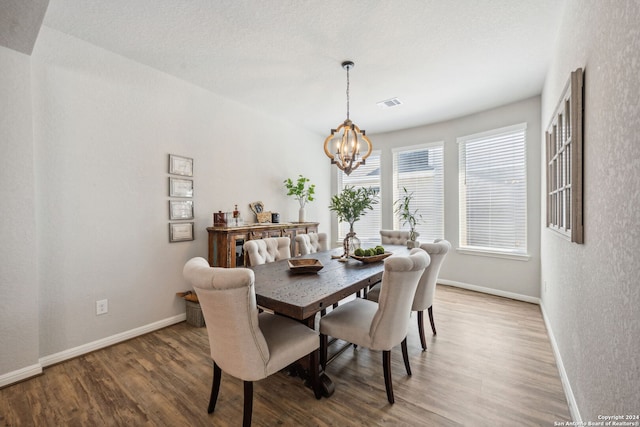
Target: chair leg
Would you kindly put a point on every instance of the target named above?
(433, 325)
(423, 341)
(405, 356)
(324, 342)
(313, 371)
(386, 366)
(248, 403)
(215, 388)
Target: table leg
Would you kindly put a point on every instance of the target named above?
(326, 384)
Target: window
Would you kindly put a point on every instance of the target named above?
(368, 175)
(564, 163)
(493, 191)
(419, 169)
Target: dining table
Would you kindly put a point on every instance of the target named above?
(301, 296)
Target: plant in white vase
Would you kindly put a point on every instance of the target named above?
(302, 191)
(349, 206)
(408, 216)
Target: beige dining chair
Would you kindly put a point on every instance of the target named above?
(423, 299)
(243, 343)
(383, 325)
(269, 249)
(311, 243)
(395, 237)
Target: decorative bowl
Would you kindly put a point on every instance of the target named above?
(372, 258)
(305, 265)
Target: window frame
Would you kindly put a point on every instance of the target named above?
(397, 189)
(564, 140)
(509, 252)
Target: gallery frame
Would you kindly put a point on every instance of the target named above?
(180, 209)
(179, 165)
(179, 187)
(180, 231)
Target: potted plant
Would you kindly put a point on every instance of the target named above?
(302, 192)
(349, 206)
(408, 216)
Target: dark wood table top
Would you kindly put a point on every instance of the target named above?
(302, 295)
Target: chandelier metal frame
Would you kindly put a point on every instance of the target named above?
(347, 139)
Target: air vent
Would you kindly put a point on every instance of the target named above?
(389, 103)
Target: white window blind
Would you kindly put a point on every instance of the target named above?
(420, 169)
(368, 175)
(493, 190)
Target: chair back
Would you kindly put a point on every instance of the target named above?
(270, 249)
(311, 243)
(395, 237)
(399, 282)
(427, 286)
(228, 301)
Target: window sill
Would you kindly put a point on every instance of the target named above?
(493, 254)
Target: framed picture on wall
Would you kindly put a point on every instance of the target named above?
(179, 165)
(180, 187)
(180, 232)
(180, 209)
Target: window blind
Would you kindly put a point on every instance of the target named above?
(420, 169)
(368, 175)
(493, 190)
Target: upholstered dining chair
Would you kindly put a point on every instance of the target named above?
(311, 243)
(269, 249)
(383, 325)
(243, 343)
(395, 237)
(426, 287)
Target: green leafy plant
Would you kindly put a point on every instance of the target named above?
(405, 214)
(300, 190)
(352, 203)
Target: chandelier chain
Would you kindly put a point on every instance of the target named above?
(348, 92)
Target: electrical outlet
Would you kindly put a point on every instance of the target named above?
(545, 286)
(102, 307)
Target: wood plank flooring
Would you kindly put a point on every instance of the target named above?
(491, 364)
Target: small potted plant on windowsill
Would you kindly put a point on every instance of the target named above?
(301, 192)
(408, 216)
(349, 206)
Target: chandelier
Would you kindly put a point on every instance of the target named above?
(344, 144)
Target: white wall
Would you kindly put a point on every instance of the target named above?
(592, 301)
(18, 253)
(103, 128)
(507, 277)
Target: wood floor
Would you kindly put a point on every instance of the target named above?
(491, 364)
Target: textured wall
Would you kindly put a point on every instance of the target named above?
(18, 251)
(593, 298)
(504, 275)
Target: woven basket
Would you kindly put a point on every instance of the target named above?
(194, 314)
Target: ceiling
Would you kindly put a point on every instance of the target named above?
(442, 59)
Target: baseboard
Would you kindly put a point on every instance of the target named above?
(33, 370)
(106, 342)
(20, 374)
(566, 385)
(491, 291)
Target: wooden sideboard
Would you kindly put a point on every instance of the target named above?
(226, 243)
